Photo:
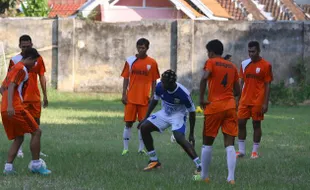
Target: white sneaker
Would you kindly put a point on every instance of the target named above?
(20, 154)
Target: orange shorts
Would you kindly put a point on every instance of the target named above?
(34, 108)
(227, 119)
(19, 124)
(246, 112)
(132, 110)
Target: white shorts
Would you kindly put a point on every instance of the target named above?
(162, 121)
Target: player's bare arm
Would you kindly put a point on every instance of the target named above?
(124, 95)
(266, 99)
(1, 90)
(192, 121)
(10, 109)
(43, 87)
(237, 93)
(153, 89)
(202, 90)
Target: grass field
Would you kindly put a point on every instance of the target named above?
(82, 134)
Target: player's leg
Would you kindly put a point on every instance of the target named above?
(212, 123)
(8, 168)
(142, 110)
(230, 131)
(20, 153)
(244, 113)
(130, 117)
(156, 122)
(257, 117)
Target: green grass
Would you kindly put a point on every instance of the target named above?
(82, 134)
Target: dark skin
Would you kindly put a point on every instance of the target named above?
(254, 54)
(147, 127)
(35, 136)
(208, 140)
(142, 50)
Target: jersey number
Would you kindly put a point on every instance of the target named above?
(224, 80)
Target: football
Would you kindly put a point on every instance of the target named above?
(42, 161)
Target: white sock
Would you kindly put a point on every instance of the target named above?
(141, 143)
(255, 147)
(153, 156)
(20, 149)
(241, 144)
(231, 162)
(197, 162)
(126, 137)
(206, 155)
(8, 167)
(36, 164)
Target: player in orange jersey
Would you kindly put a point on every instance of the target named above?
(256, 76)
(220, 108)
(32, 99)
(140, 74)
(15, 118)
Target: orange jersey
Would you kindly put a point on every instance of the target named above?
(18, 74)
(141, 73)
(223, 75)
(254, 75)
(32, 92)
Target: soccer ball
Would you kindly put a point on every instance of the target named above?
(42, 161)
(172, 139)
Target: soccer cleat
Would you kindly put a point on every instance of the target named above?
(152, 165)
(232, 182)
(42, 170)
(125, 152)
(20, 154)
(254, 155)
(142, 152)
(9, 172)
(198, 178)
(239, 155)
(42, 154)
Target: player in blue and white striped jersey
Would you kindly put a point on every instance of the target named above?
(176, 103)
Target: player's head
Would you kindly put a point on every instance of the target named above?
(215, 48)
(227, 57)
(25, 42)
(254, 50)
(168, 80)
(30, 57)
(142, 47)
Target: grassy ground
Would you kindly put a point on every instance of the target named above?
(82, 134)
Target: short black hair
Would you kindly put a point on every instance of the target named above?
(254, 44)
(228, 56)
(215, 46)
(31, 53)
(170, 76)
(143, 41)
(25, 38)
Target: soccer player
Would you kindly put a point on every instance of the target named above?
(219, 109)
(256, 76)
(32, 99)
(15, 118)
(140, 74)
(176, 102)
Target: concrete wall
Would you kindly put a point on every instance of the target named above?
(89, 56)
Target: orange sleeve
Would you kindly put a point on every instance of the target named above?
(208, 66)
(268, 75)
(18, 77)
(11, 64)
(125, 72)
(241, 73)
(41, 66)
(155, 72)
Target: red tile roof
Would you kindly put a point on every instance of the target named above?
(64, 8)
(233, 10)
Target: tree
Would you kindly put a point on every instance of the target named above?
(35, 8)
(8, 7)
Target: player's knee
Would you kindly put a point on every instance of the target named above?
(129, 124)
(38, 132)
(242, 123)
(20, 139)
(256, 124)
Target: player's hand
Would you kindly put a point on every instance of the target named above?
(10, 110)
(45, 102)
(124, 99)
(203, 104)
(264, 108)
(191, 139)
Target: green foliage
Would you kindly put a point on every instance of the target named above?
(36, 8)
(7, 7)
(282, 94)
